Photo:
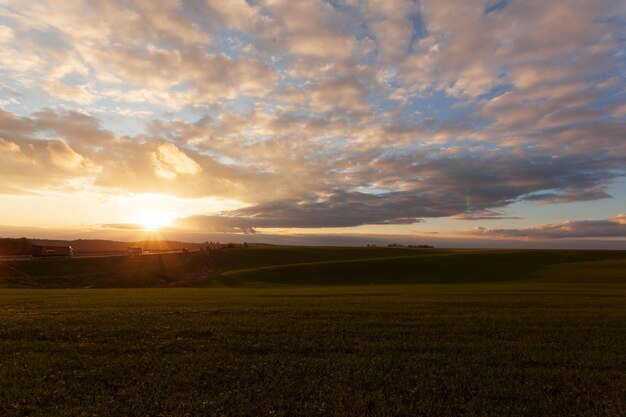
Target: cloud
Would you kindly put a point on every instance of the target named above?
(392, 27)
(619, 111)
(326, 45)
(570, 195)
(485, 214)
(613, 227)
(65, 157)
(52, 150)
(169, 162)
(206, 77)
(122, 226)
(29, 162)
(463, 187)
(311, 213)
(8, 147)
(480, 51)
(74, 50)
(340, 94)
(316, 113)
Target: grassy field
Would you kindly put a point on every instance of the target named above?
(296, 266)
(443, 333)
(170, 269)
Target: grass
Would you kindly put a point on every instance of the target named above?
(449, 350)
(167, 269)
(289, 266)
(443, 333)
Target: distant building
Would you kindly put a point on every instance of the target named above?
(42, 251)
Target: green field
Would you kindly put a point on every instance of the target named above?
(314, 266)
(317, 332)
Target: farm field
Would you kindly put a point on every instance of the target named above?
(314, 266)
(446, 333)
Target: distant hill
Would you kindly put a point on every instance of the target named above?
(98, 246)
(23, 246)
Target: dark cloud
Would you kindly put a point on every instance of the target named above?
(340, 209)
(466, 187)
(568, 196)
(485, 214)
(614, 227)
(464, 184)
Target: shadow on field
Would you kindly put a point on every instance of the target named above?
(435, 268)
(307, 266)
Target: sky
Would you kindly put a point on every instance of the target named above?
(460, 123)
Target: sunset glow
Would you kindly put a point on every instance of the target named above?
(154, 220)
(465, 123)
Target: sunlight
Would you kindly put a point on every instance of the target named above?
(154, 220)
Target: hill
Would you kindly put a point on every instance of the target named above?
(23, 246)
(315, 266)
(293, 331)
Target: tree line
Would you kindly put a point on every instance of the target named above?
(19, 246)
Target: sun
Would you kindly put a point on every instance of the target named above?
(154, 220)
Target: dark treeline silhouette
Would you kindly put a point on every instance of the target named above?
(218, 245)
(20, 246)
(398, 245)
(24, 246)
